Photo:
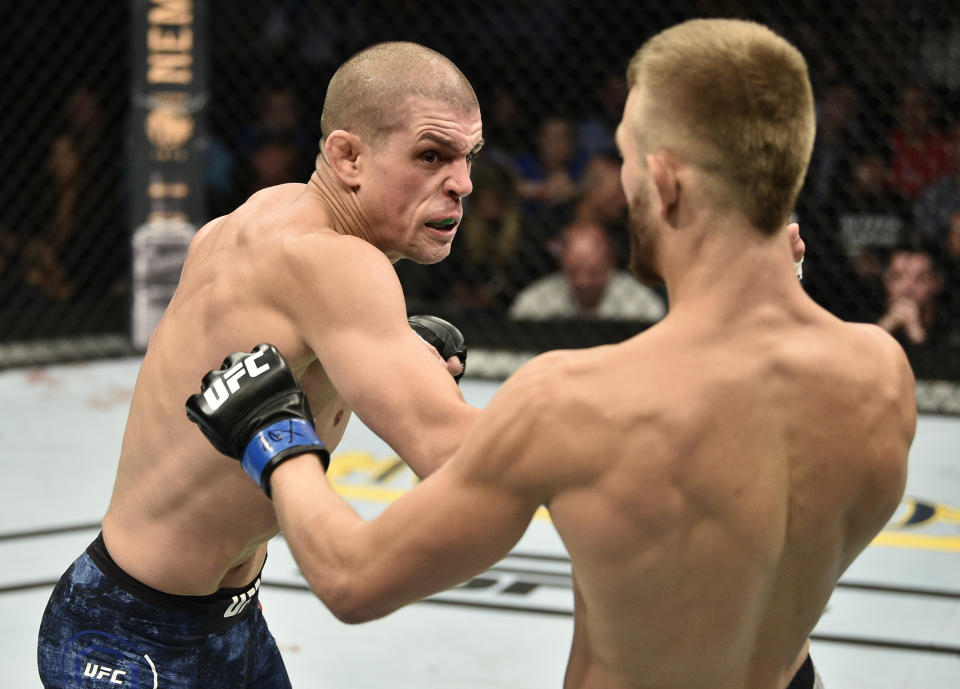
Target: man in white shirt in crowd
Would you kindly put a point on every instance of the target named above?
(588, 285)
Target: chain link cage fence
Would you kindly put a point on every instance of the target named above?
(539, 258)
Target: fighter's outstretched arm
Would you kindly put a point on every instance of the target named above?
(453, 525)
(456, 523)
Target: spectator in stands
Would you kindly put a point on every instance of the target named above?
(829, 190)
(43, 268)
(829, 171)
(913, 283)
(85, 210)
(951, 271)
(549, 176)
(278, 116)
(43, 271)
(952, 242)
(871, 218)
(504, 130)
(938, 202)
(920, 153)
(485, 262)
(875, 43)
(313, 35)
(220, 175)
(595, 132)
(8, 254)
(588, 284)
(275, 158)
(602, 196)
(940, 43)
(549, 179)
(602, 200)
(277, 146)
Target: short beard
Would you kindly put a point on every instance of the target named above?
(643, 242)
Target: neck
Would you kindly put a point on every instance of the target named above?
(725, 268)
(344, 212)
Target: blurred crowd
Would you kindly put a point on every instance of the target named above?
(882, 213)
(544, 233)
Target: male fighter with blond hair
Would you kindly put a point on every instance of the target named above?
(711, 477)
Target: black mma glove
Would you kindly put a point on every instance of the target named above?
(445, 336)
(254, 410)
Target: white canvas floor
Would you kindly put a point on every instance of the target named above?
(894, 623)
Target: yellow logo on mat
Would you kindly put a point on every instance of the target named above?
(923, 525)
(361, 476)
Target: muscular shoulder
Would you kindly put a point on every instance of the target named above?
(338, 271)
(527, 436)
(880, 431)
(334, 253)
(268, 198)
(547, 381)
(880, 349)
(333, 289)
(892, 369)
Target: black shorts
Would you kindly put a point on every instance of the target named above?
(103, 628)
(806, 677)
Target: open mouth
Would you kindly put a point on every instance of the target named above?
(443, 225)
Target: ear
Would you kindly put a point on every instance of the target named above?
(342, 150)
(664, 176)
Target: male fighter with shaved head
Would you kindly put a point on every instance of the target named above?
(168, 592)
(711, 477)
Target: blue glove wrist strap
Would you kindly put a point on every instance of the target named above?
(281, 439)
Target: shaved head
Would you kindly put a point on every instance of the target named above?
(368, 95)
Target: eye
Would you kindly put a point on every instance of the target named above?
(430, 157)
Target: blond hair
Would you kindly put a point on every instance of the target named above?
(368, 94)
(733, 99)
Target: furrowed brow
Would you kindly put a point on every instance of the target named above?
(447, 143)
(437, 139)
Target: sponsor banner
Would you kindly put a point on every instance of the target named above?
(167, 139)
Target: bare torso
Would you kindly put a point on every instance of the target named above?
(737, 468)
(183, 518)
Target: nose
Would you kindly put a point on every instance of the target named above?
(458, 184)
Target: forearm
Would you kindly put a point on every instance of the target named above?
(456, 523)
(321, 529)
(432, 538)
(360, 570)
(346, 560)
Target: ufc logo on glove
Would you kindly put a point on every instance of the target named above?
(223, 387)
(262, 422)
